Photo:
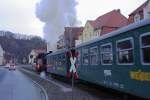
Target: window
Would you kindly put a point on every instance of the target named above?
(53, 61)
(93, 56)
(125, 51)
(56, 61)
(136, 18)
(48, 60)
(85, 56)
(106, 54)
(145, 48)
(79, 57)
(63, 60)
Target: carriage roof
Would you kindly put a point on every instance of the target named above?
(119, 31)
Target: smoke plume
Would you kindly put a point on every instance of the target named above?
(56, 14)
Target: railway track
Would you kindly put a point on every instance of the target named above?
(82, 89)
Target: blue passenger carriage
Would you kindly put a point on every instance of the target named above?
(118, 60)
(57, 63)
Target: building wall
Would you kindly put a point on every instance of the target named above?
(34, 53)
(147, 11)
(132, 17)
(1, 56)
(96, 33)
(88, 29)
(32, 59)
(88, 33)
(143, 12)
(69, 38)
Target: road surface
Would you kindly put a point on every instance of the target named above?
(15, 86)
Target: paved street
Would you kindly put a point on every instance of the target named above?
(15, 86)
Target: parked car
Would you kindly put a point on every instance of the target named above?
(12, 67)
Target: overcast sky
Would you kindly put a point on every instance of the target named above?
(19, 15)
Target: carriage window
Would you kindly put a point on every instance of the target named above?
(60, 60)
(53, 61)
(145, 47)
(125, 51)
(106, 54)
(63, 60)
(48, 60)
(93, 56)
(56, 62)
(85, 56)
(79, 57)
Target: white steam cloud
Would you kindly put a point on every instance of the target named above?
(56, 14)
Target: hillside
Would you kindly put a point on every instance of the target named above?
(19, 46)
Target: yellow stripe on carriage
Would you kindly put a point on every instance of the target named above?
(140, 75)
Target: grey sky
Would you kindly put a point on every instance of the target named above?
(19, 15)
(91, 9)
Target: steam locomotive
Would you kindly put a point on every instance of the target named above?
(41, 62)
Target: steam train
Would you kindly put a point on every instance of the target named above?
(41, 62)
(119, 60)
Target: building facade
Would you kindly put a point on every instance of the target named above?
(147, 10)
(140, 13)
(104, 24)
(89, 32)
(71, 35)
(33, 54)
(1, 55)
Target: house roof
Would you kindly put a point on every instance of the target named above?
(140, 8)
(111, 19)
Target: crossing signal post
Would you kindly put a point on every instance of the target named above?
(73, 66)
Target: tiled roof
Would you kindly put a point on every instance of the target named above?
(110, 19)
(139, 8)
